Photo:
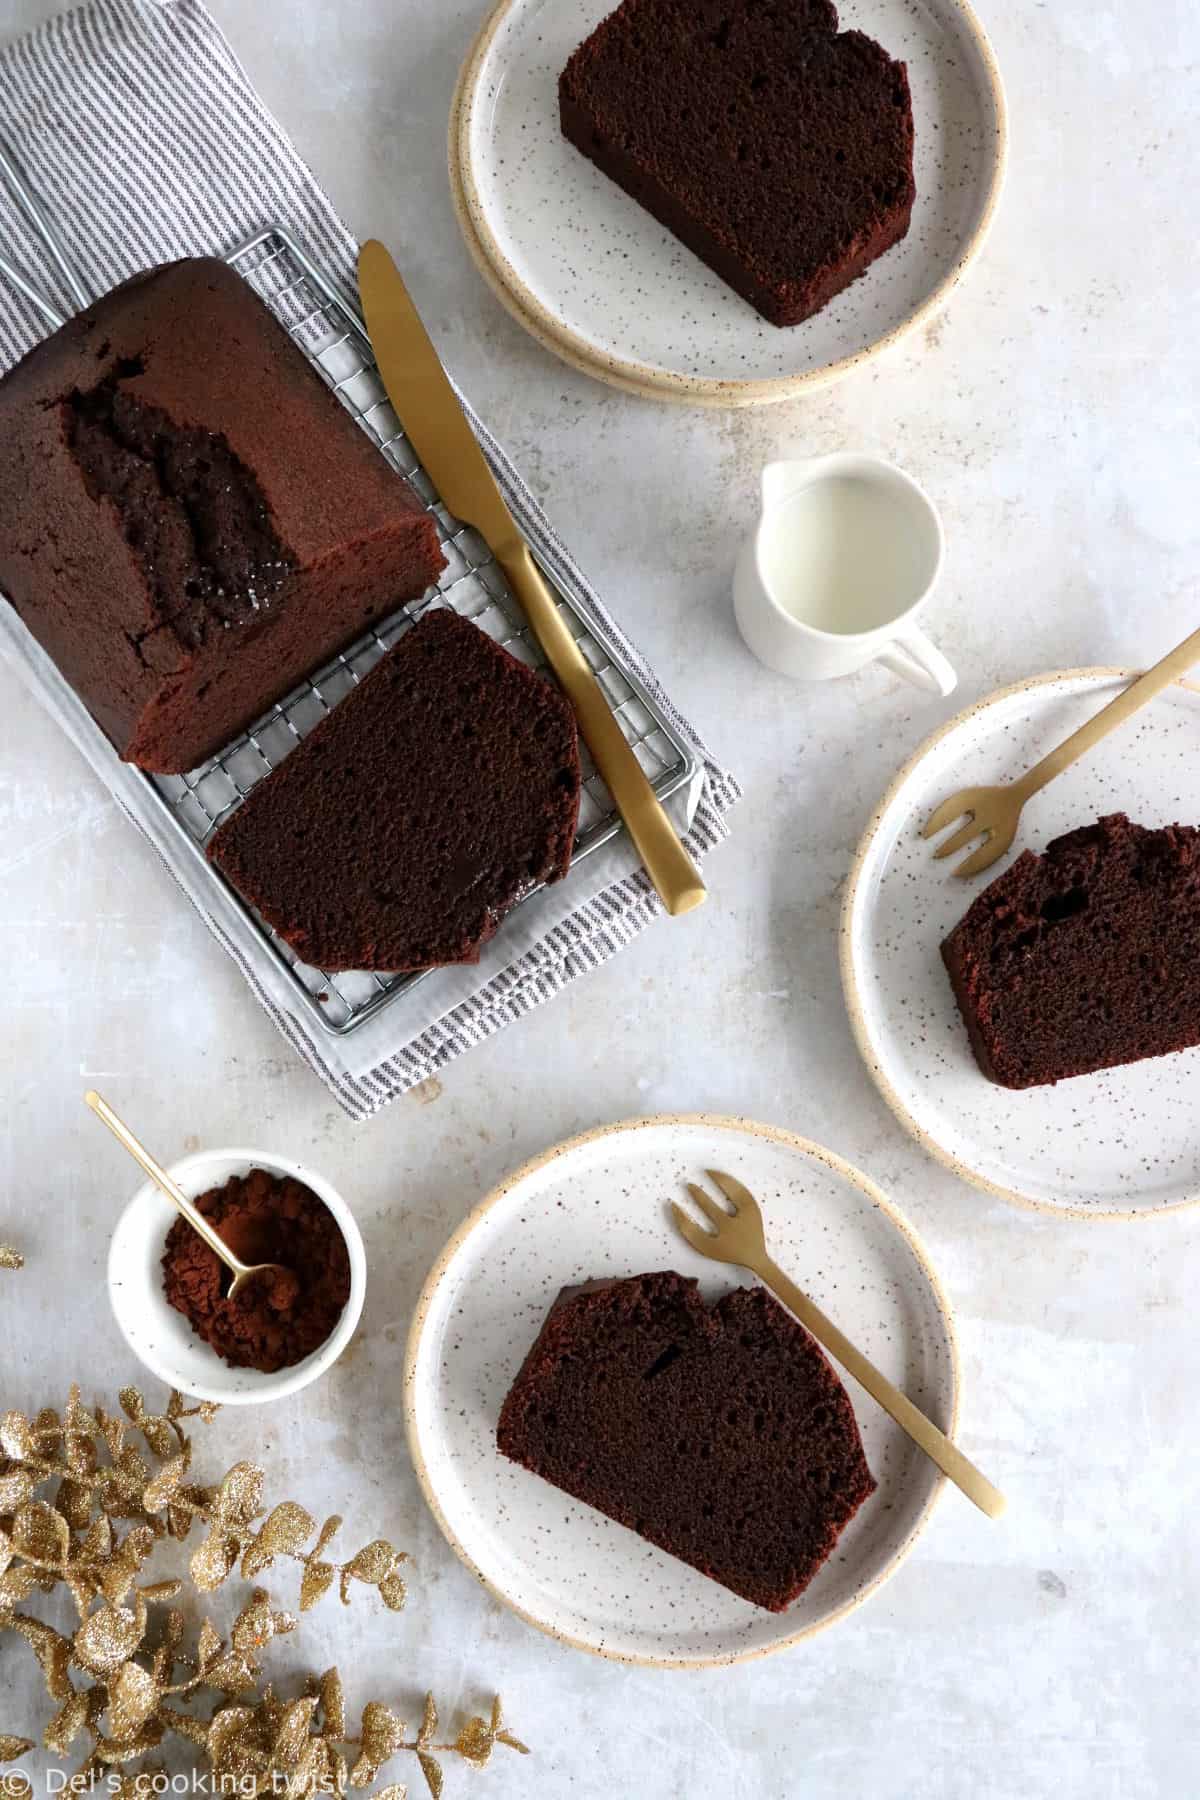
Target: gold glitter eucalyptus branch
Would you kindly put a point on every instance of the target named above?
(108, 1471)
(10, 1259)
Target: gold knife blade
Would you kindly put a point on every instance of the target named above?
(432, 417)
(436, 426)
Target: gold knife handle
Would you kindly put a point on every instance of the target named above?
(668, 864)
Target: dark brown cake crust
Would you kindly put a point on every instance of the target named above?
(1085, 957)
(777, 148)
(190, 521)
(721, 1434)
(433, 798)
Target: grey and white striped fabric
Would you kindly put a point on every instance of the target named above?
(145, 141)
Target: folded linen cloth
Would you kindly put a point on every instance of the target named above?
(143, 140)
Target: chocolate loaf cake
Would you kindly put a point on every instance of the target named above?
(190, 521)
(777, 148)
(1084, 957)
(400, 831)
(721, 1434)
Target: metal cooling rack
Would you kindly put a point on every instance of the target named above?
(327, 326)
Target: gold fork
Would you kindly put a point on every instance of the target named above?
(737, 1237)
(993, 812)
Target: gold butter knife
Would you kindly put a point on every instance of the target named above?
(420, 390)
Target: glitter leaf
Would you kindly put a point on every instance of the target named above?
(429, 1723)
(16, 1437)
(52, 1650)
(118, 1574)
(230, 1674)
(228, 1746)
(132, 1697)
(373, 1563)
(316, 1580)
(159, 1435)
(165, 1484)
(98, 1542)
(17, 1584)
(237, 1498)
(15, 1786)
(431, 1769)
(380, 1736)
(108, 1638)
(74, 1501)
(13, 1747)
(77, 1417)
(67, 1723)
(158, 1591)
(213, 1561)
(132, 1404)
(292, 1732)
(284, 1532)
(393, 1591)
(208, 1644)
(185, 1726)
(123, 1750)
(476, 1742)
(18, 1486)
(395, 1790)
(333, 1703)
(328, 1532)
(10, 1258)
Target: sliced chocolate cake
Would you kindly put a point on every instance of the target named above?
(190, 521)
(1084, 957)
(777, 148)
(399, 833)
(721, 1434)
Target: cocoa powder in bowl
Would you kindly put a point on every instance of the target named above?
(275, 1321)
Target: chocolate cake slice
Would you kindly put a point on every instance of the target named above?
(1085, 957)
(399, 832)
(777, 148)
(720, 1433)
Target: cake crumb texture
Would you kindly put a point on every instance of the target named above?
(1085, 957)
(399, 833)
(722, 1434)
(775, 146)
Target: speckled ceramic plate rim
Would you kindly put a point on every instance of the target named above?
(719, 1122)
(850, 989)
(642, 378)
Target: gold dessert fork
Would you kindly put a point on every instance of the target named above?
(993, 812)
(737, 1237)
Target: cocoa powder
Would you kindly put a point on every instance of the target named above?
(275, 1321)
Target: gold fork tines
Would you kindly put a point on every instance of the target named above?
(992, 813)
(737, 1237)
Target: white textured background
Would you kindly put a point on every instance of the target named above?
(1053, 414)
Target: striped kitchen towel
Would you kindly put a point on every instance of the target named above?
(143, 140)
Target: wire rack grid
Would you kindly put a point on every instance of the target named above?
(327, 327)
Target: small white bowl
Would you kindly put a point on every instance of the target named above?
(161, 1337)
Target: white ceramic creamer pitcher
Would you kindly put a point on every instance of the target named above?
(848, 549)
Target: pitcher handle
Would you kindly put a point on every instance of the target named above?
(911, 654)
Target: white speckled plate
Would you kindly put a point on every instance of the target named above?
(601, 283)
(1117, 1145)
(596, 1206)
